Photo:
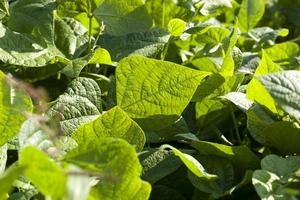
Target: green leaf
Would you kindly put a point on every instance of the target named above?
(213, 35)
(192, 164)
(101, 56)
(117, 162)
(250, 14)
(222, 168)
(70, 37)
(240, 100)
(31, 134)
(155, 92)
(162, 11)
(257, 121)
(40, 168)
(80, 103)
(3, 158)
(7, 179)
(14, 104)
(158, 164)
(278, 134)
(275, 177)
(241, 157)
(284, 88)
(19, 49)
(255, 91)
(211, 6)
(283, 53)
(148, 44)
(176, 27)
(116, 13)
(113, 123)
(32, 17)
(4, 9)
(73, 8)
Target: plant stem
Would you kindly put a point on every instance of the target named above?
(165, 51)
(235, 125)
(90, 16)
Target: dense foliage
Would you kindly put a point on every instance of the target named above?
(149, 99)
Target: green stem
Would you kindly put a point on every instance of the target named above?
(90, 16)
(166, 48)
(295, 39)
(235, 125)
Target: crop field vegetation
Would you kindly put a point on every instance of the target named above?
(149, 99)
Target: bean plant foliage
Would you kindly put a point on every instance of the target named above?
(149, 99)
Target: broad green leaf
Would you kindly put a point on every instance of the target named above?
(240, 100)
(14, 104)
(168, 133)
(192, 164)
(211, 6)
(158, 164)
(273, 180)
(122, 17)
(148, 44)
(279, 134)
(266, 36)
(20, 49)
(222, 168)
(155, 92)
(284, 88)
(7, 179)
(241, 157)
(250, 14)
(80, 104)
(3, 158)
(176, 27)
(39, 168)
(70, 37)
(117, 162)
(213, 35)
(255, 90)
(283, 53)
(258, 120)
(32, 17)
(210, 112)
(113, 123)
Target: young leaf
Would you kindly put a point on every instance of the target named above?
(250, 14)
(155, 92)
(176, 27)
(40, 168)
(80, 103)
(113, 123)
(284, 88)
